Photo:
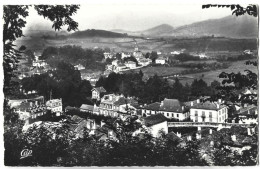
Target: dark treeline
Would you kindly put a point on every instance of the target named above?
(155, 88)
(64, 82)
(89, 58)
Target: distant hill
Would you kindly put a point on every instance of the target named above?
(231, 26)
(96, 33)
(158, 30)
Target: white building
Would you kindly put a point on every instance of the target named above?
(120, 67)
(170, 108)
(79, 67)
(156, 124)
(108, 55)
(145, 62)
(126, 55)
(97, 92)
(160, 60)
(115, 62)
(209, 112)
(39, 63)
(130, 64)
(175, 53)
(55, 105)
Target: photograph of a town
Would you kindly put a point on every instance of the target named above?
(130, 84)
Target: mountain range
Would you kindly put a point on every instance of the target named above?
(231, 26)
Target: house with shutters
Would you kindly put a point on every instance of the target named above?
(208, 112)
(117, 106)
(170, 108)
(55, 106)
(98, 92)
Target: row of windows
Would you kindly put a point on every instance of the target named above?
(203, 114)
(167, 114)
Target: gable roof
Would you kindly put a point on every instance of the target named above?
(172, 105)
(208, 106)
(153, 106)
(87, 107)
(123, 100)
(154, 119)
(99, 89)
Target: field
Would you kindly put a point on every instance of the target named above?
(159, 70)
(210, 76)
(128, 44)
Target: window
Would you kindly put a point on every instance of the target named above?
(220, 119)
(196, 113)
(177, 115)
(210, 119)
(203, 113)
(196, 119)
(167, 114)
(210, 114)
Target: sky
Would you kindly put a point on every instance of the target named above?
(135, 16)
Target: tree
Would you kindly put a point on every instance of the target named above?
(237, 9)
(234, 83)
(14, 20)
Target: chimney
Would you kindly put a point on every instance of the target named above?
(217, 106)
(178, 134)
(249, 131)
(182, 107)
(210, 131)
(191, 103)
(198, 100)
(233, 138)
(189, 138)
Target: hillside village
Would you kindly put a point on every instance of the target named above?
(165, 96)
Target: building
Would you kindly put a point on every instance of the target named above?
(120, 67)
(107, 107)
(98, 92)
(137, 54)
(115, 62)
(126, 55)
(170, 108)
(175, 53)
(117, 106)
(160, 60)
(39, 63)
(130, 64)
(55, 106)
(208, 112)
(78, 125)
(86, 108)
(79, 67)
(156, 124)
(144, 61)
(108, 55)
(248, 115)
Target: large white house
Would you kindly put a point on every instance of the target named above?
(130, 64)
(55, 105)
(170, 108)
(208, 112)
